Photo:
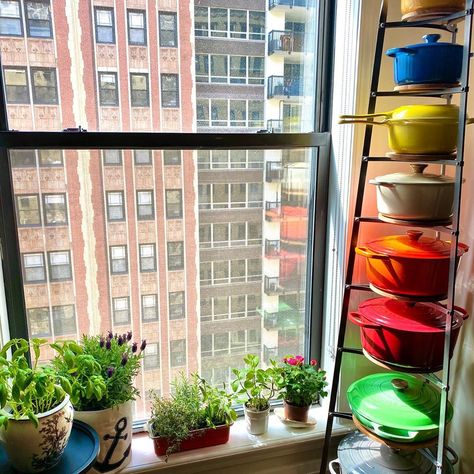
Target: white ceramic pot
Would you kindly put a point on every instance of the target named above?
(257, 421)
(32, 449)
(114, 427)
(415, 196)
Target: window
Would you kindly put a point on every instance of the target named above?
(104, 25)
(238, 70)
(178, 353)
(176, 305)
(16, 85)
(151, 356)
(201, 21)
(219, 25)
(64, 320)
(171, 157)
(28, 211)
(108, 90)
(175, 255)
(174, 204)
(168, 30)
(115, 206)
(10, 18)
(147, 258)
(202, 67)
(145, 206)
(33, 268)
(38, 19)
(218, 68)
(118, 259)
(55, 209)
(256, 25)
(238, 24)
(139, 94)
(149, 308)
(60, 266)
(48, 158)
(22, 158)
(142, 157)
(256, 72)
(121, 310)
(112, 157)
(38, 322)
(169, 90)
(45, 89)
(136, 27)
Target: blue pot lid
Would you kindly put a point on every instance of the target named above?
(431, 41)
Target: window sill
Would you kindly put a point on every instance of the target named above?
(243, 449)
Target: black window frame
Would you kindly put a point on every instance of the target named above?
(28, 20)
(180, 265)
(143, 269)
(45, 210)
(109, 206)
(112, 163)
(50, 266)
(133, 92)
(97, 26)
(57, 325)
(145, 216)
(175, 103)
(175, 30)
(143, 307)
(143, 163)
(36, 99)
(45, 309)
(147, 357)
(173, 354)
(24, 268)
(19, 211)
(24, 69)
(19, 20)
(171, 213)
(111, 260)
(129, 28)
(173, 314)
(103, 102)
(114, 310)
(171, 157)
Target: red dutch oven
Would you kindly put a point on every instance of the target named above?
(409, 265)
(406, 334)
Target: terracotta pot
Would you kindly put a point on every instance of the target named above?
(114, 427)
(295, 413)
(32, 449)
(426, 9)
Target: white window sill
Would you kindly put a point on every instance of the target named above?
(242, 450)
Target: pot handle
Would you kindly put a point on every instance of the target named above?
(365, 252)
(453, 453)
(382, 431)
(333, 463)
(394, 51)
(381, 183)
(360, 118)
(358, 320)
(462, 312)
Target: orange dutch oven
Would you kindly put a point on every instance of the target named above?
(409, 265)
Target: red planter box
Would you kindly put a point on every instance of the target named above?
(197, 439)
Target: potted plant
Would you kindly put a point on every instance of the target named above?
(258, 386)
(35, 411)
(101, 371)
(300, 385)
(196, 415)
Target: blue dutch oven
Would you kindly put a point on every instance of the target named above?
(427, 63)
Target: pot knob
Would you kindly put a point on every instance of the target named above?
(399, 384)
(418, 168)
(414, 234)
(433, 38)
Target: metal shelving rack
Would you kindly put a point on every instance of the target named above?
(447, 23)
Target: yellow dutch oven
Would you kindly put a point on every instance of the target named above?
(426, 9)
(417, 129)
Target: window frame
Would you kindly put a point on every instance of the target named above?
(130, 28)
(25, 268)
(133, 101)
(175, 30)
(102, 101)
(36, 100)
(19, 19)
(157, 313)
(24, 69)
(176, 92)
(141, 216)
(51, 266)
(49, 20)
(114, 310)
(55, 325)
(18, 210)
(45, 210)
(151, 245)
(111, 260)
(97, 26)
(109, 206)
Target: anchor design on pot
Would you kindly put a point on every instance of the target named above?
(106, 466)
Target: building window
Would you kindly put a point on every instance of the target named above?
(171, 157)
(151, 357)
(202, 67)
(121, 310)
(201, 21)
(34, 269)
(22, 158)
(112, 157)
(115, 206)
(60, 266)
(118, 259)
(178, 353)
(10, 18)
(64, 320)
(175, 255)
(147, 258)
(142, 157)
(238, 24)
(136, 27)
(139, 94)
(55, 209)
(176, 305)
(149, 308)
(219, 68)
(16, 85)
(28, 210)
(104, 25)
(145, 205)
(38, 19)
(50, 158)
(108, 90)
(256, 25)
(168, 30)
(169, 90)
(39, 323)
(219, 22)
(45, 89)
(174, 204)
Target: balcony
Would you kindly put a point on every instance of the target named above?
(272, 248)
(269, 353)
(272, 210)
(273, 171)
(287, 4)
(286, 317)
(281, 87)
(285, 42)
(287, 125)
(271, 286)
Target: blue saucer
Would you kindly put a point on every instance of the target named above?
(78, 457)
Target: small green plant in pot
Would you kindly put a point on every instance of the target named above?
(195, 415)
(35, 411)
(301, 384)
(101, 371)
(257, 387)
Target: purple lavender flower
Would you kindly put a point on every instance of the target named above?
(124, 359)
(129, 335)
(110, 335)
(108, 344)
(142, 347)
(134, 347)
(102, 342)
(120, 340)
(110, 371)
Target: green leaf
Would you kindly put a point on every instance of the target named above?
(33, 418)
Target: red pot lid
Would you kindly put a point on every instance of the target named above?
(418, 317)
(413, 245)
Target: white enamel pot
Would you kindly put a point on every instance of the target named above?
(415, 196)
(257, 421)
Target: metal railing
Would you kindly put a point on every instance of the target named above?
(272, 210)
(273, 171)
(271, 286)
(285, 41)
(281, 86)
(272, 248)
(287, 3)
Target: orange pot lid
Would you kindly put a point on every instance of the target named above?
(414, 245)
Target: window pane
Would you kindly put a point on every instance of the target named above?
(257, 25)
(64, 320)
(238, 23)
(16, 86)
(218, 68)
(10, 18)
(174, 204)
(218, 17)
(201, 21)
(171, 157)
(38, 19)
(139, 90)
(104, 21)
(168, 32)
(108, 88)
(149, 308)
(55, 209)
(44, 86)
(39, 323)
(142, 157)
(169, 90)
(28, 210)
(136, 27)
